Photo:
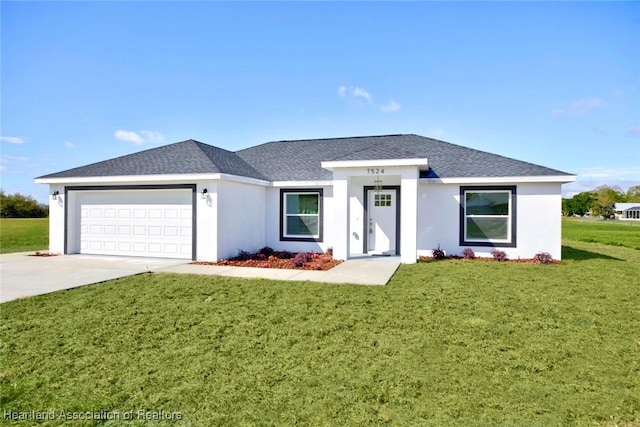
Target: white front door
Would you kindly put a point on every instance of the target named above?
(381, 222)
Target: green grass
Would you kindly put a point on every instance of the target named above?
(444, 343)
(617, 233)
(23, 235)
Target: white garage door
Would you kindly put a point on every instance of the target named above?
(154, 223)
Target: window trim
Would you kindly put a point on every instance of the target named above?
(512, 241)
(283, 214)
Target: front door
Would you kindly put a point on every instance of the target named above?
(381, 222)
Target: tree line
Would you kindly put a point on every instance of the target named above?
(599, 202)
(21, 206)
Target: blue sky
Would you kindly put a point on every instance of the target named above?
(556, 84)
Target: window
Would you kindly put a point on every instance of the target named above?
(301, 215)
(382, 200)
(488, 216)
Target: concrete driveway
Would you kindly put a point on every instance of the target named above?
(23, 275)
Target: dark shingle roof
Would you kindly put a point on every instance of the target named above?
(184, 157)
(301, 160)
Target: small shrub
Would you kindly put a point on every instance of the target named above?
(499, 255)
(266, 251)
(468, 253)
(300, 259)
(283, 254)
(438, 253)
(243, 255)
(543, 257)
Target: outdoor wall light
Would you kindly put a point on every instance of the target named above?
(55, 195)
(204, 193)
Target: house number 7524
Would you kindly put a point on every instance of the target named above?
(375, 171)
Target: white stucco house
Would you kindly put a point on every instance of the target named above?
(379, 195)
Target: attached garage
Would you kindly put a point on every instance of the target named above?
(144, 221)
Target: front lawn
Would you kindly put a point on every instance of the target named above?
(453, 342)
(24, 234)
(614, 232)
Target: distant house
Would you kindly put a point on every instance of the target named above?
(627, 211)
(398, 195)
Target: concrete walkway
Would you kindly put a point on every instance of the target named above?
(362, 271)
(24, 275)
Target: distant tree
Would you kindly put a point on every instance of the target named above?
(19, 206)
(579, 204)
(633, 194)
(604, 193)
(602, 209)
(606, 198)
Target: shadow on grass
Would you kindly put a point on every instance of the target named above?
(575, 254)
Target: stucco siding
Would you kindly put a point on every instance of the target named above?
(56, 220)
(240, 211)
(207, 220)
(438, 220)
(538, 220)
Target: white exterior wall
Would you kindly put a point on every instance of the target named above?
(246, 216)
(408, 216)
(207, 220)
(56, 220)
(240, 213)
(538, 220)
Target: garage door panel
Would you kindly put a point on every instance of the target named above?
(170, 214)
(139, 230)
(159, 226)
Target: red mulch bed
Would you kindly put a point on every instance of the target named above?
(283, 259)
(518, 261)
(44, 254)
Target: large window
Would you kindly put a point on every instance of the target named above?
(488, 216)
(301, 215)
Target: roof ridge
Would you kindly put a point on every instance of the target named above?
(337, 138)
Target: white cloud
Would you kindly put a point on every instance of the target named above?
(13, 139)
(129, 136)
(437, 133)
(587, 184)
(68, 144)
(588, 179)
(579, 107)
(359, 92)
(355, 95)
(360, 97)
(632, 172)
(139, 138)
(634, 131)
(6, 160)
(152, 136)
(390, 107)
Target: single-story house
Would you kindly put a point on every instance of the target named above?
(627, 211)
(398, 195)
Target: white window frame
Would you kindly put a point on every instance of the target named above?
(510, 217)
(284, 235)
